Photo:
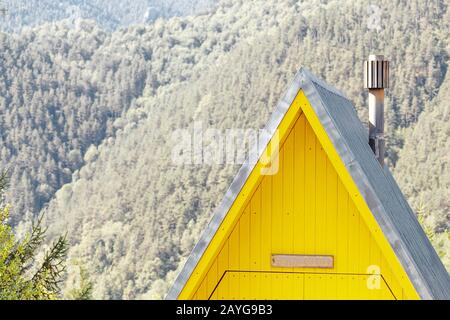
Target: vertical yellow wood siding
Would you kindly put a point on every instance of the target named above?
(303, 209)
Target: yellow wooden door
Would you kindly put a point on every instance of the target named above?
(300, 286)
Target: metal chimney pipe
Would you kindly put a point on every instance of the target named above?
(376, 79)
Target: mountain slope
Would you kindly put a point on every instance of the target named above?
(62, 87)
(133, 215)
(425, 161)
(109, 14)
(424, 166)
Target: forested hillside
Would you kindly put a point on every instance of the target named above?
(133, 215)
(61, 89)
(424, 166)
(109, 14)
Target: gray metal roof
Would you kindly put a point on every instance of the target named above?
(376, 184)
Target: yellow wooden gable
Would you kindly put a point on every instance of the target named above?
(310, 211)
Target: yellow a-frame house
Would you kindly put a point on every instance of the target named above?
(329, 223)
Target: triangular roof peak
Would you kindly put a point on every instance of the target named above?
(337, 124)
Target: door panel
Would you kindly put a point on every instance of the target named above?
(248, 285)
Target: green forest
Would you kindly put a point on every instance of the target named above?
(88, 106)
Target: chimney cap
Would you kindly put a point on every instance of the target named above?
(376, 57)
(376, 72)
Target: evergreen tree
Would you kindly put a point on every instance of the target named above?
(22, 274)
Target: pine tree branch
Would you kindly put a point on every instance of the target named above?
(25, 250)
(52, 268)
